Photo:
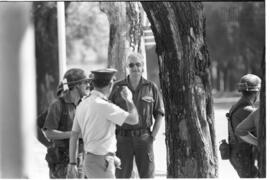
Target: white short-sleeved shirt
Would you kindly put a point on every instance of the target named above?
(96, 119)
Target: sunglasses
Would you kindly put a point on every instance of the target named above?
(131, 65)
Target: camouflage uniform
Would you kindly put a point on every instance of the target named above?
(242, 155)
(57, 155)
(60, 117)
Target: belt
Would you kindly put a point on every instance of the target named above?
(240, 145)
(108, 154)
(132, 132)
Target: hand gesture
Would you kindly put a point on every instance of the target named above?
(126, 94)
(117, 162)
(72, 172)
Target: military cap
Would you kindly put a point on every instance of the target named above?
(103, 74)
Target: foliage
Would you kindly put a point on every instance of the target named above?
(87, 32)
(235, 36)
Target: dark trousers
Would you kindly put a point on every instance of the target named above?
(58, 171)
(140, 147)
(242, 159)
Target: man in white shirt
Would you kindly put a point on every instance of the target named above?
(96, 120)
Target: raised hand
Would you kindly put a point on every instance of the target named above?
(126, 94)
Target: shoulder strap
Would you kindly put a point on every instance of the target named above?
(64, 111)
(229, 116)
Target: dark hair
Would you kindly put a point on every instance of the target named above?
(101, 83)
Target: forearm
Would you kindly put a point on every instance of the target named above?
(73, 146)
(157, 125)
(56, 134)
(42, 138)
(249, 138)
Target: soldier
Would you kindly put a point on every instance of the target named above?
(96, 120)
(241, 153)
(59, 120)
(137, 140)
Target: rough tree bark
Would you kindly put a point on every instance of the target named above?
(47, 64)
(125, 32)
(179, 30)
(262, 125)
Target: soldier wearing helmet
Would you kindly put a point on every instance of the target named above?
(241, 153)
(59, 120)
(249, 82)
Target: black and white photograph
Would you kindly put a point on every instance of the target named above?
(133, 89)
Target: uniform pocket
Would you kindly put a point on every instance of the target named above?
(148, 99)
(147, 110)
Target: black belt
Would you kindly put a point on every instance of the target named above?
(132, 132)
(241, 145)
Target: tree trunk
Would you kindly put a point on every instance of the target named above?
(125, 32)
(262, 125)
(179, 30)
(46, 41)
(125, 20)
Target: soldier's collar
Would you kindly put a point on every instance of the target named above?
(125, 82)
(99, 94)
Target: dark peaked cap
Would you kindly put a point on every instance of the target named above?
(104, 74)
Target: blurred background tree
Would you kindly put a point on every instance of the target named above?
(87, 35)
(235, 33)
(236, 37)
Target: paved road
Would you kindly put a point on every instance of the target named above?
(40, 169)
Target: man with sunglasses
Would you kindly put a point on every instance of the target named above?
(137, 140)
(59, 120)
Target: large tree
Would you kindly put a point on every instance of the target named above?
(179, 30)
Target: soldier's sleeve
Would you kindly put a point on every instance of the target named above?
(158, 103)
(53, 117)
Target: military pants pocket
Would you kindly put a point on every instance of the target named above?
(147, 137)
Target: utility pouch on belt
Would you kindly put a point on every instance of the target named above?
(224, 149)
(56, 155)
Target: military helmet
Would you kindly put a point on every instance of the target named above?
(74, 76)
(249, 82)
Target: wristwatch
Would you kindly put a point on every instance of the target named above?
(72, 163)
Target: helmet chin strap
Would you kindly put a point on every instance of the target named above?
(80, 93)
